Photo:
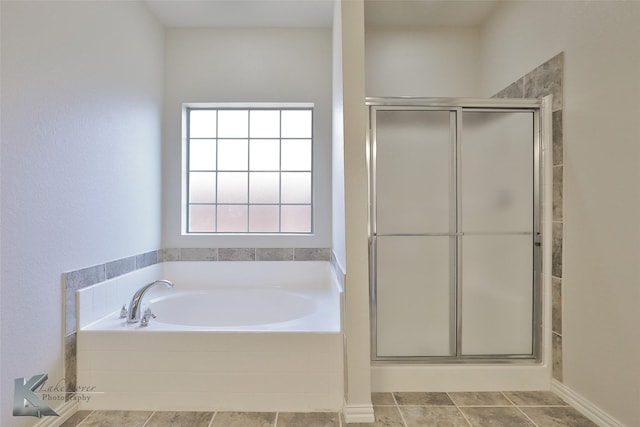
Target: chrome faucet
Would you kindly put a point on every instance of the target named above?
(133, 315)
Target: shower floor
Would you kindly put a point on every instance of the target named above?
(403, 409)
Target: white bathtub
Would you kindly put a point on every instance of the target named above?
(251, 308)
(249, 336)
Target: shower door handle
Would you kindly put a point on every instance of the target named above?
(538, 239)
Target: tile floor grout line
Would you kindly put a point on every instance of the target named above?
(485, 406)
(451, 398)
(544, 406)
(455, 405)
(518, 408)
(150, 416)
(418, 404)
(481, 406)
(395, 401)
(464, 416)
(398, 408)
(84, 419)
(212, 418)
(527, 416)
(507, 397)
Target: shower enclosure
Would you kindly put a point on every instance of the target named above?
(455, 230)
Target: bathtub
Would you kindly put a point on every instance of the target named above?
(242, 336)
(252, 308)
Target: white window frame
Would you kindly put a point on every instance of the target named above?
(186, 203)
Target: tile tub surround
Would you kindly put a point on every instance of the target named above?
(104, 278)
(473, 409)
(111, 283)
(245, 254)
(548, 79)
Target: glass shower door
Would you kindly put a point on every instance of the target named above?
(455, 242)
(415, 295)
(497, 224)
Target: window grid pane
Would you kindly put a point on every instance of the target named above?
(264, 183)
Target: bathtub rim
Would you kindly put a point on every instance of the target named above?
(323, 283)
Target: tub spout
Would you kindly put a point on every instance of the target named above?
(136, 301)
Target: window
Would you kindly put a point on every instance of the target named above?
(249, 169)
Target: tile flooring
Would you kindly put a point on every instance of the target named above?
(406, 409)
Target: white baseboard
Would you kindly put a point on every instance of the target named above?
(65, 411)
(358, 413)
(583, 405)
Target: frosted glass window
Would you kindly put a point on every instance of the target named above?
(202, 187)
(264, 218)
(202, 218)
(296, 187)
(264, 124)
(232, 218)
(233, 123)
(296, 124)
(202, 124)
(296, 155)
(233, 154)
(296, 219)
(249, 168)
(232, 187)
(264, 187)
(202, 154)
(264, 154)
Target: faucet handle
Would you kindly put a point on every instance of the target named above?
(144, 322)
(148, 313)
(123, 311)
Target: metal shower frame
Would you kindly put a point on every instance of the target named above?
(456, 106)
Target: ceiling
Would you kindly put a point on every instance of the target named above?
(318, 13)
(427, 13)
(243, 13)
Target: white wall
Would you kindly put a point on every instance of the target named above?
(247, 65)
(601, 268)
(337, 152)
(427, 62)
(1, 401)
(81, 104)
(358, 397)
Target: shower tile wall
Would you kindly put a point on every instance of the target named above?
(89, 276)
(547, 79)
